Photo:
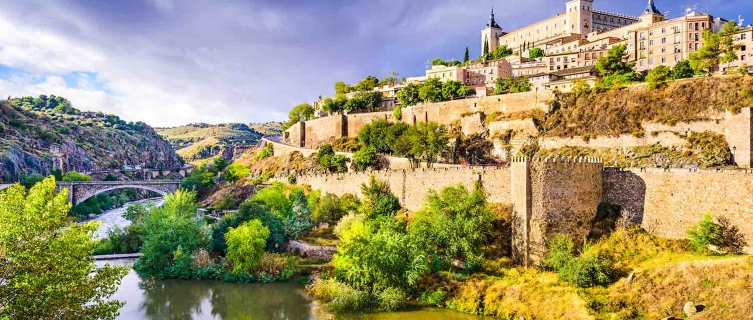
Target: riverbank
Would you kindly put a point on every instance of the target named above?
(148, 298)
(114, 217)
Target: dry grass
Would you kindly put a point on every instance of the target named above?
(618, 112)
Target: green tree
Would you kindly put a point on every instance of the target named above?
(72, 176)
(364, 158)
(378, 199)
(278, 197)
(334, 105)
(45, 268)
(499, 52)
(341, 88)
(466, 56)
(727, 44)
(237, 171)
(658, 76)
(431, 90)
(372, 100)
(245, 245)
(535, 53)
(486, 47)
(580, 87)
(367, 84)
(615, 62)
(171, 235)
(452, 224)
(301, 112)
(707, 58)
(299, 223)
(682, 70)
(409, 95)
(29, 180)
(381, 135)
(450, 89)
(329, 210)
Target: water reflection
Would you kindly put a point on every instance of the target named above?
(147, 298)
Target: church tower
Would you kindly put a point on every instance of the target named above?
(579, 17)
(490, 35)
(651, 14)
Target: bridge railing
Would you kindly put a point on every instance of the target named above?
(139, 182)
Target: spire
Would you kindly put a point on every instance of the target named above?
(492, 23)
(651, 8)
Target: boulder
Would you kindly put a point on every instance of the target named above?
(689, 309)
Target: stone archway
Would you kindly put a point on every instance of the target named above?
(78, 192)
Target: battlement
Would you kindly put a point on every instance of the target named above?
(593, 160)
(625, 16)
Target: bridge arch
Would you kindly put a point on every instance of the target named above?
(78, 192)
(88, 195)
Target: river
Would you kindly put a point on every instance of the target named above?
(114, 217)
(152, 299)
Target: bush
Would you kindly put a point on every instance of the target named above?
(658, 76)
(245, 245)
(586, 270)
(265, 152)
(237, 171)
(328, 210)
(338, 296)
(724, 236)
(249, 210)
(391, 299)
(711, 147)
(72, 176)
(435, 298)
(30, 180)
(364, 158)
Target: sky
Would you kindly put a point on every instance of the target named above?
(174, 62)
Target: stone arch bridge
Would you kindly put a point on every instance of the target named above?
(80, 191)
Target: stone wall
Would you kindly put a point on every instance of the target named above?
(667, 139)
(739, 134)
(555, 196)
(669, 202)
(412, 186)
(312, 133)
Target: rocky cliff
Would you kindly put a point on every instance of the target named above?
(198, 141)
(35, 138)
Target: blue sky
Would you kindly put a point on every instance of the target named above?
(171, 62)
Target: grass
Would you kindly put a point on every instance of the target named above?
(665, 275)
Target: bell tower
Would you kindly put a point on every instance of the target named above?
(651, 14)
(579, 17)
(490, 35)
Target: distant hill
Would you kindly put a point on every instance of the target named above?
(37, 132)
(200, 141)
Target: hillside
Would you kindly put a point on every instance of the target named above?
(201, 141)
(37, 132)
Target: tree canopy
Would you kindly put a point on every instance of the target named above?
(615, 62)
(45, 268)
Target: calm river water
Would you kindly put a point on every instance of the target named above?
(180, 299)
(147, 298)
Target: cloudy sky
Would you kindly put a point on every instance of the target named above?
(173, 62)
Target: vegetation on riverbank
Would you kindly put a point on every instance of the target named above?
(447, 255)
(45, 268)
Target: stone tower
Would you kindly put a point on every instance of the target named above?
(651, 14)
(579, 17)
(490, 35)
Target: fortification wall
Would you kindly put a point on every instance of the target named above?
(526, 127)
(412, 186)
(669, 202)
(449, 111)
(739, 134)
(356, 122)
(564, 194)
(314, 132)
(667, 139)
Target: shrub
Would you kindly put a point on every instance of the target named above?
(265, 152)
(560, 252)
(658, 76)
(328, 209)
(72, 176)
(435, 298)
(723, 235)
(391, 299)
(338, 296)
(249, 210)
(586, 270)
(397, 113)
(364, 158)
(245, 245)
(30, 180)
(711, 147)
(237, 171)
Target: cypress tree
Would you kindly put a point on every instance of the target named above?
(467, 56)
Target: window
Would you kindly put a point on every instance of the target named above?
(663, 30)
(742, 57)
(651, 62)
(696, 47)
(650, 42)
(650, 32)
(677, 58)
(663, 40)
(663, 50)
(663, 60)
(641, 63)
(742, 36)
(632, 46)
(742, 48)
